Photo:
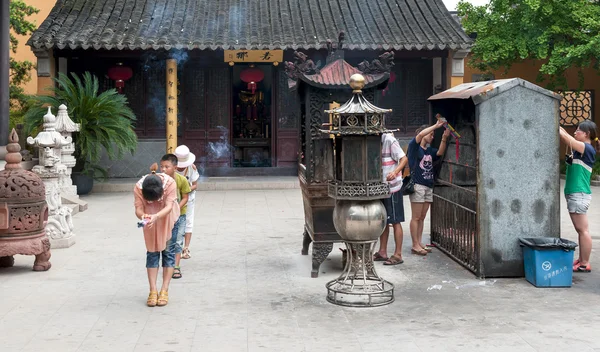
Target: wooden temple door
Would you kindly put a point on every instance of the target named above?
(288, 122)
(205, 97)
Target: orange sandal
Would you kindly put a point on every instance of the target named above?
(582, 268)
(163, 299)
(152, 299)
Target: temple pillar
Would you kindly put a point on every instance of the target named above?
(4, 78)
(171, 105)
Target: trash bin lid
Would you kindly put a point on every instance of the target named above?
(542, 243)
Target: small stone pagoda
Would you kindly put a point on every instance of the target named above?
(65, 126)
(50, 143)
(23, 212)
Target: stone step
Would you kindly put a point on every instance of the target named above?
(210, 184)
(74, 200)
(74, 208)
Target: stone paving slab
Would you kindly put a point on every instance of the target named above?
(247, 288)
(210, 183)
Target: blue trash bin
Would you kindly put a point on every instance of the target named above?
(548, 261)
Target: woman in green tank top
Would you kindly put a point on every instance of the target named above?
(581, 155)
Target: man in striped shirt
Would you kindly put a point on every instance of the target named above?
(393, 161)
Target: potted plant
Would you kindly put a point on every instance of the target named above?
(106, 124)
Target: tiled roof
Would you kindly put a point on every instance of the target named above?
(249, 24)
(336, 75)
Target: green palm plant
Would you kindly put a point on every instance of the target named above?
(106, 119)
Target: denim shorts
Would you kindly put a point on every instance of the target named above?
(578, 203)
(175, 244)
(395, 208)
(168, 259)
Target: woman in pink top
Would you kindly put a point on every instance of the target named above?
(156, 205)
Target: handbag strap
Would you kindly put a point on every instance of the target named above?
(571, 146)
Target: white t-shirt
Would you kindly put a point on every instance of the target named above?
(192, 175)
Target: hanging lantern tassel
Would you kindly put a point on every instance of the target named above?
(457, 143)
(252, 87)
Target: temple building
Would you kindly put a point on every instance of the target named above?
(211, 74)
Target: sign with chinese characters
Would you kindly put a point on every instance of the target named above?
(172, 84)
(253, 55)
(546, 266)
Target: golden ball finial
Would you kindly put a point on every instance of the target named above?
(357, 81)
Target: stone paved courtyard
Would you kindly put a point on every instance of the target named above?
(247, 288)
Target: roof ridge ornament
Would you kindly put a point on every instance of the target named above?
(383, 64)
(301, 65)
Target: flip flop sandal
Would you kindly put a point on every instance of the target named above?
(152, 299)
(428, 249)
(393, 261)
(421, 252)
(163, 299)
(177, 273)
(582, 269)
(379, 258)
(185, 254)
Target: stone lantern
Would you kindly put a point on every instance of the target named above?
(50, 143)
(359, 215)
(65, 126)
(23, 212)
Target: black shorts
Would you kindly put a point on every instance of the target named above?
(394, 205)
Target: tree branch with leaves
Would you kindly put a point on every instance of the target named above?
(20, 71)
(564, 34)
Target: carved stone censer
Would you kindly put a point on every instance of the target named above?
(23, 212)
(359, 215)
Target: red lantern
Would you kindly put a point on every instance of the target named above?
(252, 76)
(120, 74)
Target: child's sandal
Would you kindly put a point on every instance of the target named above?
(152, 299)
(176, 273)
(163, 298)
(186, 253)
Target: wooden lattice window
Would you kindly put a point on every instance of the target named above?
(576, 107)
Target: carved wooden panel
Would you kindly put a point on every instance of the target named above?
(193, 99)
(198, 147)
(288, 104)
(576, 107)
(419, 84)
(407, 95)
(287, 150)
(218, 98)
(155, 77)
(392, 98)
(134, 91)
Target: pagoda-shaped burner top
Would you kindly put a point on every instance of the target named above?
(358, 116)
